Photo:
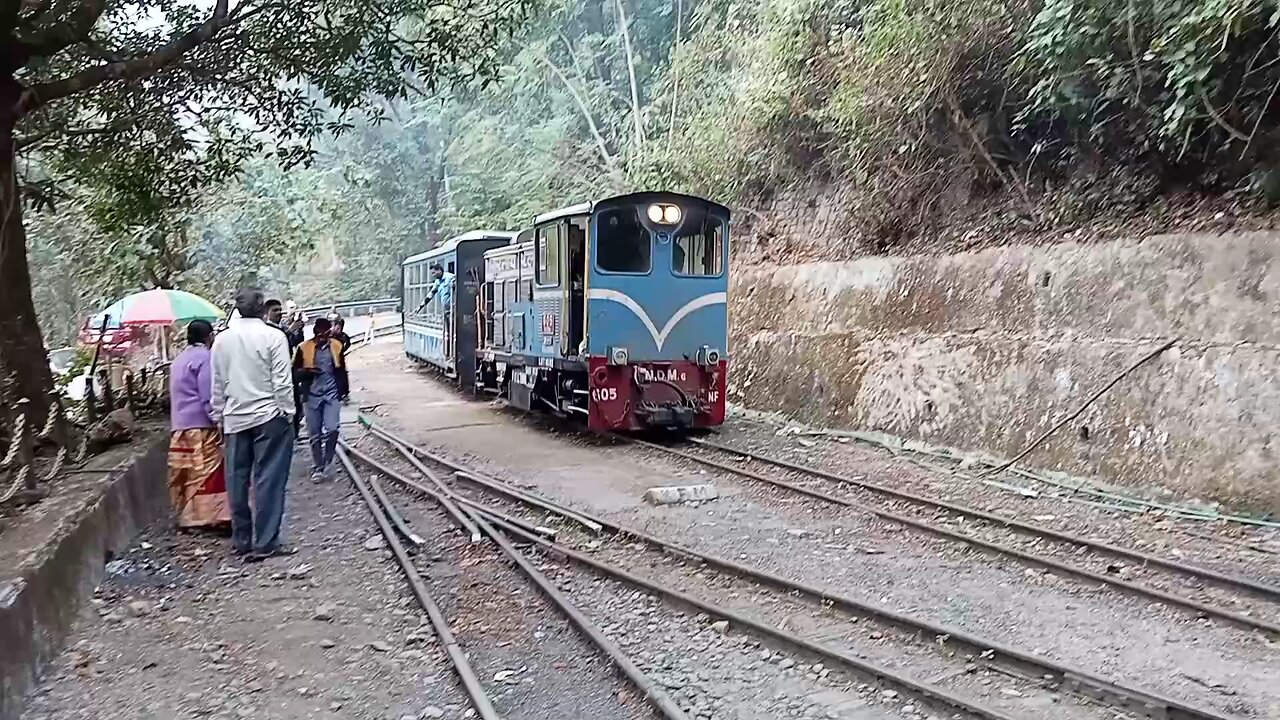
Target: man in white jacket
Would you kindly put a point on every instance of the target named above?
(253, 403)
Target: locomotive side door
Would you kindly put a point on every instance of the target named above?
(575, 325)
(549, 290)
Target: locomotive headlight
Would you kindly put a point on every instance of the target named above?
(665, 214)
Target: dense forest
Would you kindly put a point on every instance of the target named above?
(930, 124)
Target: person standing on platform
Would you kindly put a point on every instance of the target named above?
(344, 380)
(317, 362)
(253, 401)
(292, 327)
(197, 468)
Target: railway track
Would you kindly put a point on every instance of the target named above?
(956, 662)
(474, 520)
(1022, 541)
(392, 527)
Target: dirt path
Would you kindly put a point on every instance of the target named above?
(181, 629)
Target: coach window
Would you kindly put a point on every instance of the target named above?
(414, 289)
(549, 255)
(700, 251)
(623, 244)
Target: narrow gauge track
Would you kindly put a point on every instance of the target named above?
(1014, 662)
(383, 516)
(1229, 582)
(394, 529)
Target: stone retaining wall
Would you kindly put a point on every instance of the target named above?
(985, 350)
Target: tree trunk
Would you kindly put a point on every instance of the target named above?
(24, 363)
(631, 72)
(434, 189)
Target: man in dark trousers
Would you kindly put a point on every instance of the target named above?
(252, 402)
(317, 363)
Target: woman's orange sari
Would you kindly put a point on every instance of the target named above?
(197, 483)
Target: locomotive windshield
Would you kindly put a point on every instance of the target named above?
(624, 244)
(699, 250)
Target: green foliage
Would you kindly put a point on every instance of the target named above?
(1169, 76)
(82, 361)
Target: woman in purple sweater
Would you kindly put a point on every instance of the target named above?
(197, 484)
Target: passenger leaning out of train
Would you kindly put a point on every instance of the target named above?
(442, 286)
(317, 364)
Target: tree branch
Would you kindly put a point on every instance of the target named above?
(39, 95)
(60, 35)
(37, 138)
(609, 161)
(1217, 118)
(1262, 113)
(98, 50)
(631, 71)
(34, 9)
(980, 146)
(675, 92)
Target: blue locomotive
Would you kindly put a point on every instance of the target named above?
(615, 311)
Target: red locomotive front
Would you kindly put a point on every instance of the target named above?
(656, 394)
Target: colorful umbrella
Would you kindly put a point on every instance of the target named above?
(157, 307)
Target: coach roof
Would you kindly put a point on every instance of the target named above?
(452, 243)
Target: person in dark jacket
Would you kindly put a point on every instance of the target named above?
(344, 382)
(293, 332)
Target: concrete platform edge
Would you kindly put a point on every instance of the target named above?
(37, 619)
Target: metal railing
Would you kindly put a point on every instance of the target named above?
(355, 307)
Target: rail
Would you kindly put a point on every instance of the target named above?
(375, 332)
(1013, 661)
(484, 519)
(924, 526)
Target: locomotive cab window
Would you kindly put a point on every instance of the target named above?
(623, 243)
(548, 249)
(700, 250)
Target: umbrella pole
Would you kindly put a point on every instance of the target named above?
(91, 408)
